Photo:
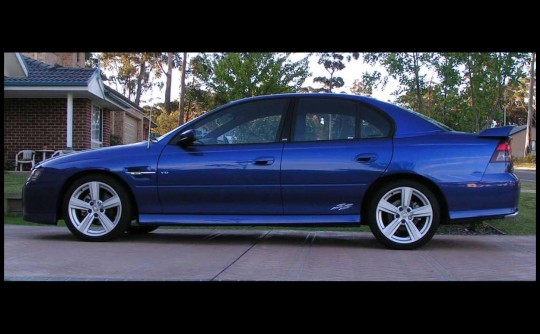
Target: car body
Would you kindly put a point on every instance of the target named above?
(286, 159)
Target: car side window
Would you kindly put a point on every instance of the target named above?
(318, 119)
(373, 124)
(248, 123)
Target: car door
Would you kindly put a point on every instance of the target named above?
(337, 148)
(232, 168)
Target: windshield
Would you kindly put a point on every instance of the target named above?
(155, 140)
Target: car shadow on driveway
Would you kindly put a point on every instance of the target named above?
(284, 238)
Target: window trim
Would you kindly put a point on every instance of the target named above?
(92, 141)
(295, 116)
(293, 109)
(277, 140)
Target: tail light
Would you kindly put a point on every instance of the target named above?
(503, 152)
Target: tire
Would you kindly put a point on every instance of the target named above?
(407, 226)
(137, 229)
(102, 197)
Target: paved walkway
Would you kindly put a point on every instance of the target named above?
(51, 253)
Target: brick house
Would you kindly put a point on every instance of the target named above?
(51, 100)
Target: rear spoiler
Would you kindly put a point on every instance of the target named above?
(499, 132)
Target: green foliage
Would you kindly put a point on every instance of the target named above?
(406, 68)
(332, 62)
(529, 159)
(131, 71)
(467, 91)
(115, 140)
(166, 122)
(361, 88)
(231, 76)
(172, 60)
(9, 165)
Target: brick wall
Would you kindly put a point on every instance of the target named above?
(33, 123)
(107, 127)
(145, 129)
(119, 124)
(82, 124)
(64, 59)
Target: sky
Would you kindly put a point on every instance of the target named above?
(353, 70)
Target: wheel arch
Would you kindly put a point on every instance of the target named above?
(405, 176)
(81, 174)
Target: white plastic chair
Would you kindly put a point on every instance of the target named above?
(26, 157)
(58, 153)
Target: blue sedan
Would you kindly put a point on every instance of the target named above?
(288, 160)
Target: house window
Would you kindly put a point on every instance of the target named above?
(533, 145)
(97, 127)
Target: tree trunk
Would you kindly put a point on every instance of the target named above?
(476, 118)
(417, 81)
(183, 89)
(168, 83)
(529, 113)
(140, 79)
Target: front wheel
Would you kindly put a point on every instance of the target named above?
(404, 214)
(96, 208)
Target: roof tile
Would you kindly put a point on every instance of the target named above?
(41, 74)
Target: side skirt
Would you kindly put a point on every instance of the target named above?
(158, 219)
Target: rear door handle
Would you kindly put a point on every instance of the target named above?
(263, 161)
(366, 158)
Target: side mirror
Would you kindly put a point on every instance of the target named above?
(186, 138)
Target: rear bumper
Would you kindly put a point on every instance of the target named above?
(512, 215)
(495, 197)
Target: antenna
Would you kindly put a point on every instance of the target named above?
(151, 99)
(149, 127)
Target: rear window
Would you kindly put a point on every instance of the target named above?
(432, 121)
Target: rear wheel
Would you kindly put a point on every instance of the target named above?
(96, 208)
(404, 214)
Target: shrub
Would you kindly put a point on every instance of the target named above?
(115, 140)
(9, 165)
(529, 158)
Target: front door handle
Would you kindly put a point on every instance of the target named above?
(263, 161)
(366, 158)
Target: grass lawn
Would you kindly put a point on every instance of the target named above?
(13, 182)
(525, 223)
(528, 185)
(17, 220)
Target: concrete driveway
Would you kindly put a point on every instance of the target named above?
(51, 253)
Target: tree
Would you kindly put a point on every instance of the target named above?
(183, 90)
(532, 85)
(131, 71)
(332, 62)
(404, 67)
(172, 60)
(232, 76)
(468, 91)
(198, 100)
(361, 88)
